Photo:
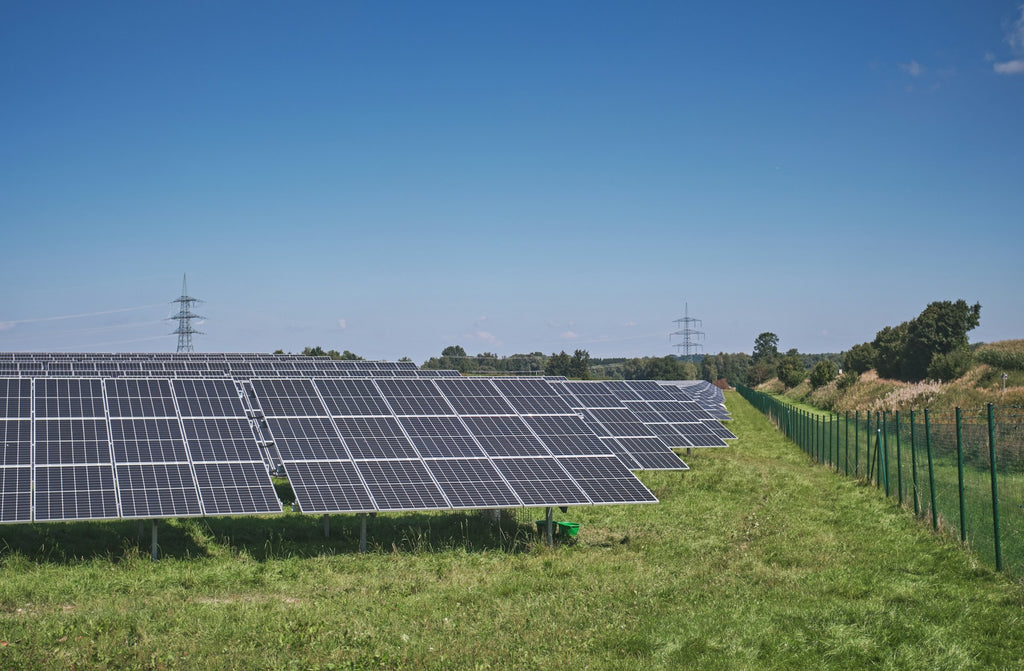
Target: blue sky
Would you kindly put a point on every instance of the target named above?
(391, 178)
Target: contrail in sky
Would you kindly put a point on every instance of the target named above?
(4, 325)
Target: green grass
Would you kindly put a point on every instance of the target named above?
(754, 559)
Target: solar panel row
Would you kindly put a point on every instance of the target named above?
(387, 444)
(95, 448)
(201, 365)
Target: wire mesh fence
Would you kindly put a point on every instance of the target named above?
(961, 470)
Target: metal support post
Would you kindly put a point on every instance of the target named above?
(995, 487)
(931, 470)
(362, 534)
(913, 461)
(899, 461)
(154, 549)
(960, 472)
(549, 531)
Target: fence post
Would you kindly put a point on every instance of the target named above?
(846, 445)
(913, 461)
(995, 487)
(827, 426)
(885, 450)
(931, 471)
(899, 461)
(856, 443)
(883, 462)
(960, 473)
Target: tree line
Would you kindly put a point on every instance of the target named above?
(932, 345)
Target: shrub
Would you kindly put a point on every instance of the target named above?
(791, 370)
(823, 372)
(1005, 355)
(950, 366)
(847, 380)
(859, 358)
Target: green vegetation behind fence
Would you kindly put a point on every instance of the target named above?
(963, 471)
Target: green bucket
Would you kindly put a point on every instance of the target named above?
(569, 529)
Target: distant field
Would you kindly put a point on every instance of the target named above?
(754, 559)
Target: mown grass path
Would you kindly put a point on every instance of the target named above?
(754, 559)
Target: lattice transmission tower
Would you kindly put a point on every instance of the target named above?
(690, 335)
(184, 317)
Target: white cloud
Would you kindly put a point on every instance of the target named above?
(1015, 38)
(342, 324)
(628, 324)
(569, 335)
(1009, 67)
(7, 326)
(488, 337)
(913, 68)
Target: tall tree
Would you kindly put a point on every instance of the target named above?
(859, 358)
(940, 329)
(791, 369)
(558, 364)
(889, 345)
(579, 365)
(766, 348)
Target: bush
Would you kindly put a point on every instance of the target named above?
(859, 358)
(847, 380)
(791, 370)
(951, 366)
(823, 372)
(1005, 355)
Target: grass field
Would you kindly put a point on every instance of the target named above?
(754, 559)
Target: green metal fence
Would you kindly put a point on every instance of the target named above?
(962, 471)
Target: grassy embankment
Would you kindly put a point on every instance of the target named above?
(753, 559)
(981, 384)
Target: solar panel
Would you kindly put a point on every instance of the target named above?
(229, 488)
(474, 397)
(472, 483)
(68, 397)
(15, 402)
(353, 398)
(414, 397)
(318, 466)
(440, 437)
(505, 437)
(401, 484)
(208, 398)
(15, 450)
(306, 438)
(79, 492)
(540, 481)
(15, 494)
(230, 473)
(566, 435)
(15, 442)
(375, 438)
(677, 423)
(329, 487)
(182, 443)
(635, 444)
(532, 397)
(154, 478)
(605, 480)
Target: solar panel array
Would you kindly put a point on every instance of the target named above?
(145, 436)
(48, 364)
